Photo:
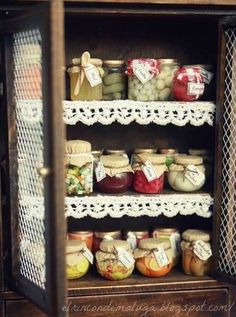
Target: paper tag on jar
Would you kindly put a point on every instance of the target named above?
(88, 254)
(100, 172)
(161, 257)
(194, 175)
(175, 243)
(92, 75)
(132, 240)
(125, 257)
(142, 73)
(149, 171)
(207, 76)
(202, 250)
(195, 89)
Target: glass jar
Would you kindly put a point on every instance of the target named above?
(145, 164)
(164, 79)
(148, 254)
(118, 174)
(116, 152)
(86, 236)
(77, 264)
(114, 80)
(99, 236)
(173, 236)
(187, 174)
(197, 257)
(207, 160)
(188, 84)
(134, 237)
(80, 86)
(108, 261)
(79, 167)
(142, 79)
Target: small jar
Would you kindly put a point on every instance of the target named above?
(134, 237)
(155, 163)
(164, 79)
(170, 155)
(197, 257)
(119, 174)
(142, 79)
(146, 257)
(77, 264)
(188, 84)
(187, 174)
(99, 236)
(108, 261)
(79, 167)
(86, 236)
(80, 86)
(114, 80)
(116, 152)
(173, 236)
(207, 160)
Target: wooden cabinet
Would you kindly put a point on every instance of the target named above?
(37, 45)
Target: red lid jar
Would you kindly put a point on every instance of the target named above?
(149, 170)
(188, 84)
(118, 174)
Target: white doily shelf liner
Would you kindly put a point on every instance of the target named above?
(116, 206)
(124, 112)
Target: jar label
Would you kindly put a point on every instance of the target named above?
(195, 89)
(149, 171)
(132, 240)
(202, 250)
(125, 257)
(161, 257)
(88, 254)
(194, 175)
(175, 243)
(142, 73)
(207, 76)
(100, 171)
(92, 75)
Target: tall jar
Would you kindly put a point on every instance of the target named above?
(187, 173)
(149, 170)
(197, 257)
(79, 167)
(164, 79)
(86, 78)
(118, 174)
(99, 236)
(114, 80)
(154, 258)
(142, 79)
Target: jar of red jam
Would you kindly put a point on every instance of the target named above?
(99, 236)
(149, 172)
(118, 174)
(86, 236)
(134, 237)
(188, 84)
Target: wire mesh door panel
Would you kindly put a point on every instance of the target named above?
(36, 156)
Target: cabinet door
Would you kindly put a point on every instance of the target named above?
(34, 90)
(225, 175)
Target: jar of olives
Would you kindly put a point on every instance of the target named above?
(164, 79)
(114, 80)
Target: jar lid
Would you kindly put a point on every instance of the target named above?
(140, 150)
(193, 235)
(102, 234)
(166, 230)
(151, 157)
(188, 160)
(169, 151)
(205, 66)
(137, 233)
(73, 246)
(81, 232)
(114, 161)
(110, 245)
(167, 60)
(94, 61)
(115, 152)
(199, 152)
(153, 243)
(77, 146)
(114, 62)
(97, 153)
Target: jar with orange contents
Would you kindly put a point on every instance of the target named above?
(134, 237)
(86, 236)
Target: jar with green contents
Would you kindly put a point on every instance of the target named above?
(79, 167)
(114, 80)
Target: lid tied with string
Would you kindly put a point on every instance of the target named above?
(78, 152)
(115, 164)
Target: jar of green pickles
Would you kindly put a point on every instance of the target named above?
(114, 80)
(79, 167)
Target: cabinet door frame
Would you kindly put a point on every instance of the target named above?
(48, 18)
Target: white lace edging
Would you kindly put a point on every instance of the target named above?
(150, 205)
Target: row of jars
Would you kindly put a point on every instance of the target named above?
(114, 174)
(153, 257)
(148, 79)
